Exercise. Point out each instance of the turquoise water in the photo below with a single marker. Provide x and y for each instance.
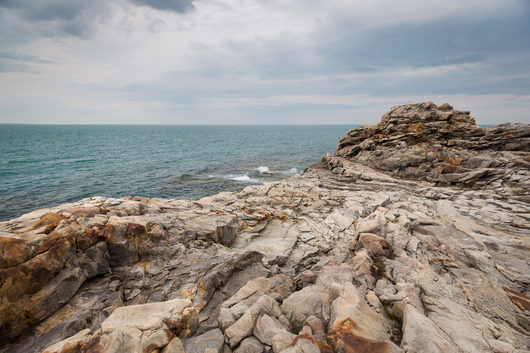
(46, 165)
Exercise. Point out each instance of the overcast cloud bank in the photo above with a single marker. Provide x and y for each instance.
(226, 61)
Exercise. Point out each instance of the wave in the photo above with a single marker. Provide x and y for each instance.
(292, 171)
(244, 178)
(263, 169)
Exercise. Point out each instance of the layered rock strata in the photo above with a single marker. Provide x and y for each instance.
(345, 258)
(442, 145)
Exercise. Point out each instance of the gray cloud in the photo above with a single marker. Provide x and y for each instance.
(15, 61)
(18, 56)
(39, 10)
(167, 5)
(27, 19)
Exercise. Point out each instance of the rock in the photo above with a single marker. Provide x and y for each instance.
(309, 301)
(213, 340)
(412, 237)
(119, 340)
(250, 345)
(174, 346)
(80, 212)
(305, 343)
(270, 332)
(344, 337)
(441, 145)
(276, 239)
(55, 294)
(278, 286)
(351, 315)
(72, 344)
(245, 324)
(367, 226)
(376, 245)
(140, 328)
(317, 327)
(421, 333)
(145, 316)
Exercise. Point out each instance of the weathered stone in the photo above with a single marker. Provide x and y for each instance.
(309, 301)
(420, 333)
(413, 233)
(245, 324)
(72, 344)
(174, 346)
(145, 316)
(432, 136)
(278, 286)
(119, 340)
(305, 343)
(317, 327)
(270, 332)
(250, 345)
(213, 340)
(375, 244)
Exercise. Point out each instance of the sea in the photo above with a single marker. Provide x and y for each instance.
(46, 165)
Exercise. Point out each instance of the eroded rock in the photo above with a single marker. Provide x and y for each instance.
(413, 237)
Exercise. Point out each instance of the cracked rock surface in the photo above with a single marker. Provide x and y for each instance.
(399, 242)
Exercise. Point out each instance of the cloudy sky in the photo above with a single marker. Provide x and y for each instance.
(260, 61)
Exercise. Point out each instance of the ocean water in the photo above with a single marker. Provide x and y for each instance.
(46, 165)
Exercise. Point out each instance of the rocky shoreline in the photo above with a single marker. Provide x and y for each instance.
(412, 237)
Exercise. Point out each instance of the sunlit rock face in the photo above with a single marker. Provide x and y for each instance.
(412, 237)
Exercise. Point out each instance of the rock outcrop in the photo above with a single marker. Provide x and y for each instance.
(413, 237)
(442, 145)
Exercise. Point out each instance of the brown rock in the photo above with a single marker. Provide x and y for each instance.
(411, 141)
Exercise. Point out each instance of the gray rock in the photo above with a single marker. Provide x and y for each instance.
(213, 340)
(309, 301)
(250, 345)
(245, 324)
(271, 332)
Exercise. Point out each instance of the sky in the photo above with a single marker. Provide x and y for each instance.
(261, 61)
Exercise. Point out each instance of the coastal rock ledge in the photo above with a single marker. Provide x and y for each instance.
(412, 237)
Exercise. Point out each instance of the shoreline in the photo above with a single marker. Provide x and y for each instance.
(44, 167)
(400, 241)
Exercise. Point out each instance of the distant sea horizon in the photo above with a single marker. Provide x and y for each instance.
(43, 165)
